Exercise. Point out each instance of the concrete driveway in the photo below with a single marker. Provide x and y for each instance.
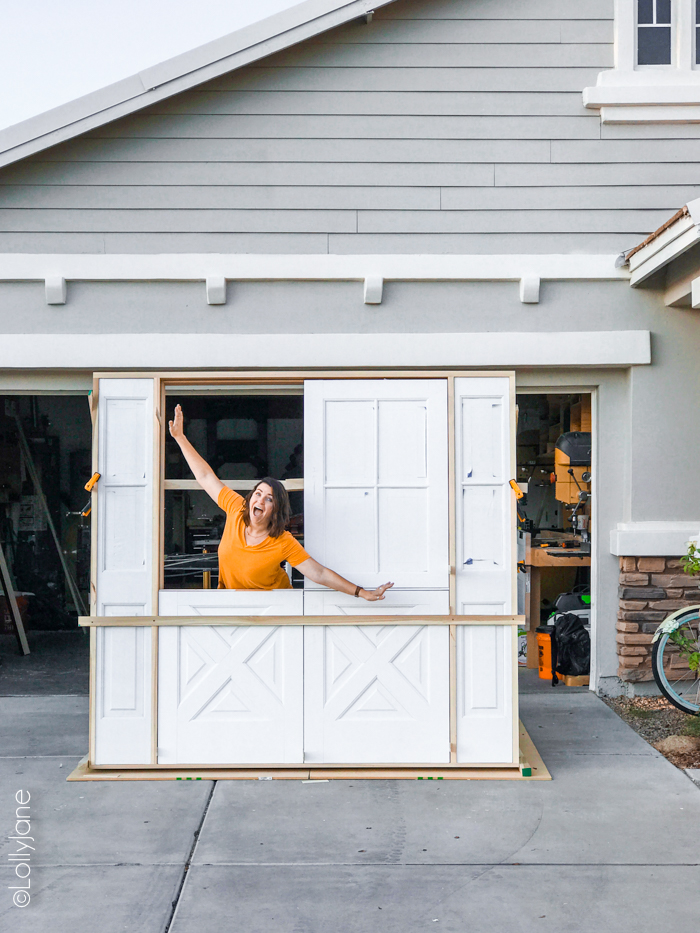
(612, 843)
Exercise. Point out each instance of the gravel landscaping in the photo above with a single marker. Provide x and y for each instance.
(655, 719)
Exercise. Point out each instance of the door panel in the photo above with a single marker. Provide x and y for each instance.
(231, 602)
(485, 512)
(124, 513)
(375, 486)
(230, 694)
(485, 659)
(396, 602)
(376, 693)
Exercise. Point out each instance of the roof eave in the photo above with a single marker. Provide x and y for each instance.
(185, 71)
(671, 240)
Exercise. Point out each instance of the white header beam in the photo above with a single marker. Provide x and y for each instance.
(284, 351)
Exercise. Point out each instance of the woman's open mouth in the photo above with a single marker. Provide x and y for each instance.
(257, 510)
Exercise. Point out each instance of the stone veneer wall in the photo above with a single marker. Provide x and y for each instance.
(650, 589)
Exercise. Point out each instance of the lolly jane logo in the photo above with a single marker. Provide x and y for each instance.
(22, 856)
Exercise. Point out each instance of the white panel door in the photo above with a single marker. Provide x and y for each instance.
(124, 517)
(230, 694)
(375, 483)
(485, 503)
(376, 694)
(485, 709)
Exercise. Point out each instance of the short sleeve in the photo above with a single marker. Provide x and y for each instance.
(229, 500)
(292, 550)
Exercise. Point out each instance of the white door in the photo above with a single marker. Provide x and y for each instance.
(376, 510)
(485, 525)
(375, 480)
(124, 516)
(485, 519)
(376, 694)
(230, 694)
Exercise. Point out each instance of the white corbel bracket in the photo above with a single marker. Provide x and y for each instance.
(530, 289)
(695, 294)
(55, 288)
(216, 290)
(374, 289)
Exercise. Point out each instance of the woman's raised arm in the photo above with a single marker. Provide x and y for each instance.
(203, 473)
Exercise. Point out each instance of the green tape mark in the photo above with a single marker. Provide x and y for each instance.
(178, 779)
(419, 779)
(430, 778)
(527, 772)
(198, 779)
(439, 779)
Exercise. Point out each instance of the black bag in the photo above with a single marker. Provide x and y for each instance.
(573, 645)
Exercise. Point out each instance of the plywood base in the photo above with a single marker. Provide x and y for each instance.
(530, 760)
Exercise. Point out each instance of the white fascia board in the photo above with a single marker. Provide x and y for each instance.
(652, 539)
(284, 351)
(176, 267)
(671, 244)
(273, 34)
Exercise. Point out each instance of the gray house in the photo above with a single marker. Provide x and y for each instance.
(416, 185)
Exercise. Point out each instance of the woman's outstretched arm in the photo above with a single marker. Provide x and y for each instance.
(327, 577)
(203, 473)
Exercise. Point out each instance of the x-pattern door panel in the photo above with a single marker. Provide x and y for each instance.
(376, 693)
(230, 694)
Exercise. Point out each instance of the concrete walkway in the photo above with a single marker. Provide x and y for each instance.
(612, 843)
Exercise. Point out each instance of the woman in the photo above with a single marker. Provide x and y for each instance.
(254, 542)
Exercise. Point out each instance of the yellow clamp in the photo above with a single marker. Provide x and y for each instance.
(513, 485)
(91, 482)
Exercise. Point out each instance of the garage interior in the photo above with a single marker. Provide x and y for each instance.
(553, 448)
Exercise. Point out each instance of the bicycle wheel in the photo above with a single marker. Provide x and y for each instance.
(675, 674)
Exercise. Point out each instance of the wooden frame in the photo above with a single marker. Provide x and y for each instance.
(162, 380)
(95, 622)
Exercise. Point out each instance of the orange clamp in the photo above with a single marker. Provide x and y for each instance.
(516, 489)
(91, 482)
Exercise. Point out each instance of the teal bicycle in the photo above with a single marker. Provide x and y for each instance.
(675, 659)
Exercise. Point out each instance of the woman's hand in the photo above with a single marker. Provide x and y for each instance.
(373, 595)
(176, 426)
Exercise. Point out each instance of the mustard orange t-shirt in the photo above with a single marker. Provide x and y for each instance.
(252, 567)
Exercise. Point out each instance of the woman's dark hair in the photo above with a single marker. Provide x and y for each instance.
(281, 510)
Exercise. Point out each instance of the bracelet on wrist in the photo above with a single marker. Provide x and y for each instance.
(357, 590)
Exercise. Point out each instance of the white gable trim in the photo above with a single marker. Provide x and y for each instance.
(285, 351)
(278, 32)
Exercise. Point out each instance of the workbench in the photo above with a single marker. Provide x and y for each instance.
(538, 559)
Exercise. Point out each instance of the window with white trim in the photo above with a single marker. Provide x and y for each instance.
(653, 32)
(656, 78)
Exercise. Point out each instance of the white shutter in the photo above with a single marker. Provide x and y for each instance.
(124, 570)
(485, 716)
(230, 694)
(485, 529)
(484, 500)
(375, 483)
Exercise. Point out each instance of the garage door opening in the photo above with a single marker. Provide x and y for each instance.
(45, 461)
(554, 438)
